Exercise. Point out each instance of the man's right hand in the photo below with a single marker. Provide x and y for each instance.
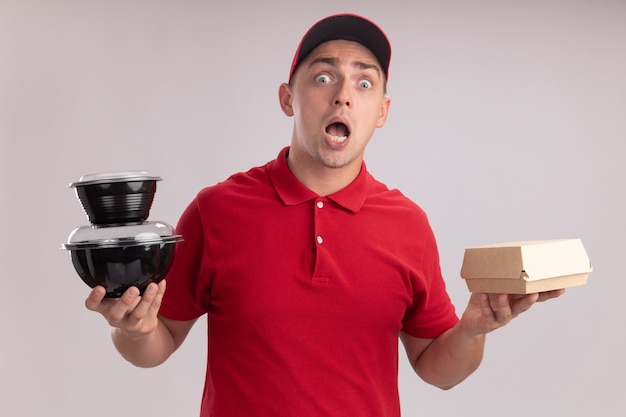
(134, 314)
(140, 334)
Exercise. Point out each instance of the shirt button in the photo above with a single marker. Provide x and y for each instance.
(320, 240)
(320, 204)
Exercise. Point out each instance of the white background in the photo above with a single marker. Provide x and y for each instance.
(508, 122)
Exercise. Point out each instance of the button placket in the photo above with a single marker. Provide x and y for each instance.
(320, 274)
(319, 204)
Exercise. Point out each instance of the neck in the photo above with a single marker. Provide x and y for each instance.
(319, 179)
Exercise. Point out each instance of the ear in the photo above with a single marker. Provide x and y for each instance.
(285, 99)
(384, 112)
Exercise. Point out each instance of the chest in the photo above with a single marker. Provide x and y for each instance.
(315, 265)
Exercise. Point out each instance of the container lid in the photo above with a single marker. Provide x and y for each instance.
(110, 177)
(529, 260)
(145, 233)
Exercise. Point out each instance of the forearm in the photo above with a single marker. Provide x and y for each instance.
(146, 350)
(450, 358)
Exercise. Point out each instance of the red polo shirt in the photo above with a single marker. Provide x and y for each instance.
(305, 294)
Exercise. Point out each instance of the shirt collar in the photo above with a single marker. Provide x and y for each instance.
(291, 191)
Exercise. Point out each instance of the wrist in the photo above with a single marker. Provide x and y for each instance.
(134, 336)
(469, 332)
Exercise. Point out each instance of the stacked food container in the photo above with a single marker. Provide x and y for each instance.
(120, 248)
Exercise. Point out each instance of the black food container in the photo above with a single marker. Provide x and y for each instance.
(118, 197)
(120, 248)
(118, 257)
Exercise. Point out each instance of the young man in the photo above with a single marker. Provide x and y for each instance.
(309, 270)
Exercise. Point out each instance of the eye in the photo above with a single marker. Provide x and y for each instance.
(367, 84)
(322, 79)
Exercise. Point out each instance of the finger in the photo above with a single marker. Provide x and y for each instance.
(501, 307)
(156, 304)
(93, 301)
(524, 303)
(485, 305)
(489, 306)
(545, 296)
(145, 305)
(123, 305)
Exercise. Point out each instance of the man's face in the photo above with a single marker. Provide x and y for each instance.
(337, 99)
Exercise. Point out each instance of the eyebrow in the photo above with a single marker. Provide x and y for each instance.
(334, 62)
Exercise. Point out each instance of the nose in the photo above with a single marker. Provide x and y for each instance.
(342, 97)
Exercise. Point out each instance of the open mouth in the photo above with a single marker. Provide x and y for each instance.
(337, 132)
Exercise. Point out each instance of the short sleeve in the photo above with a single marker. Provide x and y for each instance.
(188, 294)
(431, 313)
